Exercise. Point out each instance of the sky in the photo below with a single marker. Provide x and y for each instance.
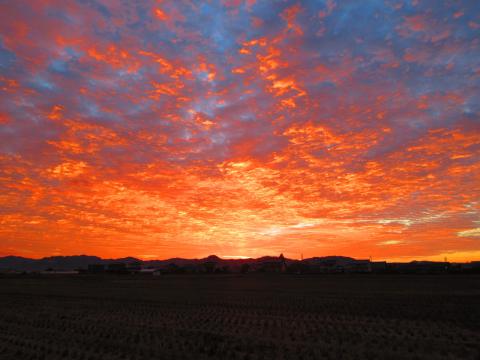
(162, 129)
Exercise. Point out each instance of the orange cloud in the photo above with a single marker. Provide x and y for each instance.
(173, 132)
(160, 14)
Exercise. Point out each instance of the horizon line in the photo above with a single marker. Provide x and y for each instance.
(239, 257)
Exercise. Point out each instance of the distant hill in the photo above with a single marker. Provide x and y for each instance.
(17, 263)
(82, 261)
(55, 262)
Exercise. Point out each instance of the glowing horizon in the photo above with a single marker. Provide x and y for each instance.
(184, 129)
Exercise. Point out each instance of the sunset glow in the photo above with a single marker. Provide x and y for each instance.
(161, 129)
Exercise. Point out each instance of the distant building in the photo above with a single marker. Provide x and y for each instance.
(147, 271)
(358, 266)
(338, 264)
(11, 272)
(157, 272)
(134, 266)
(59, 272)
(470, 267)
(418, 267)
(117, 268)
(378, 266)
(277, 265)
(96, 268)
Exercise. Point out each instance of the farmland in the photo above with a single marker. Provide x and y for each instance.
(253, 316)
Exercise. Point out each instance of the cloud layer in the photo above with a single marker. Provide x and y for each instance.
(241, 128)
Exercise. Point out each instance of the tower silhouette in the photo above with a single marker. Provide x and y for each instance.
(283, 263)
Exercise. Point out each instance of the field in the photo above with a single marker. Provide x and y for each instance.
(240, 317)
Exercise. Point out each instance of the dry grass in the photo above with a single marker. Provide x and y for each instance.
(240, 317)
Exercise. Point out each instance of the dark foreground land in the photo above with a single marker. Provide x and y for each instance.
(240, 317)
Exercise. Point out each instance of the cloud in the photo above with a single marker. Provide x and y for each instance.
(470, 233)
(68, 169)
(390, 242)
(178, 129)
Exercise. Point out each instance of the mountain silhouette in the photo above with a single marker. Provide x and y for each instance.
(77, 262)
(18, 263)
